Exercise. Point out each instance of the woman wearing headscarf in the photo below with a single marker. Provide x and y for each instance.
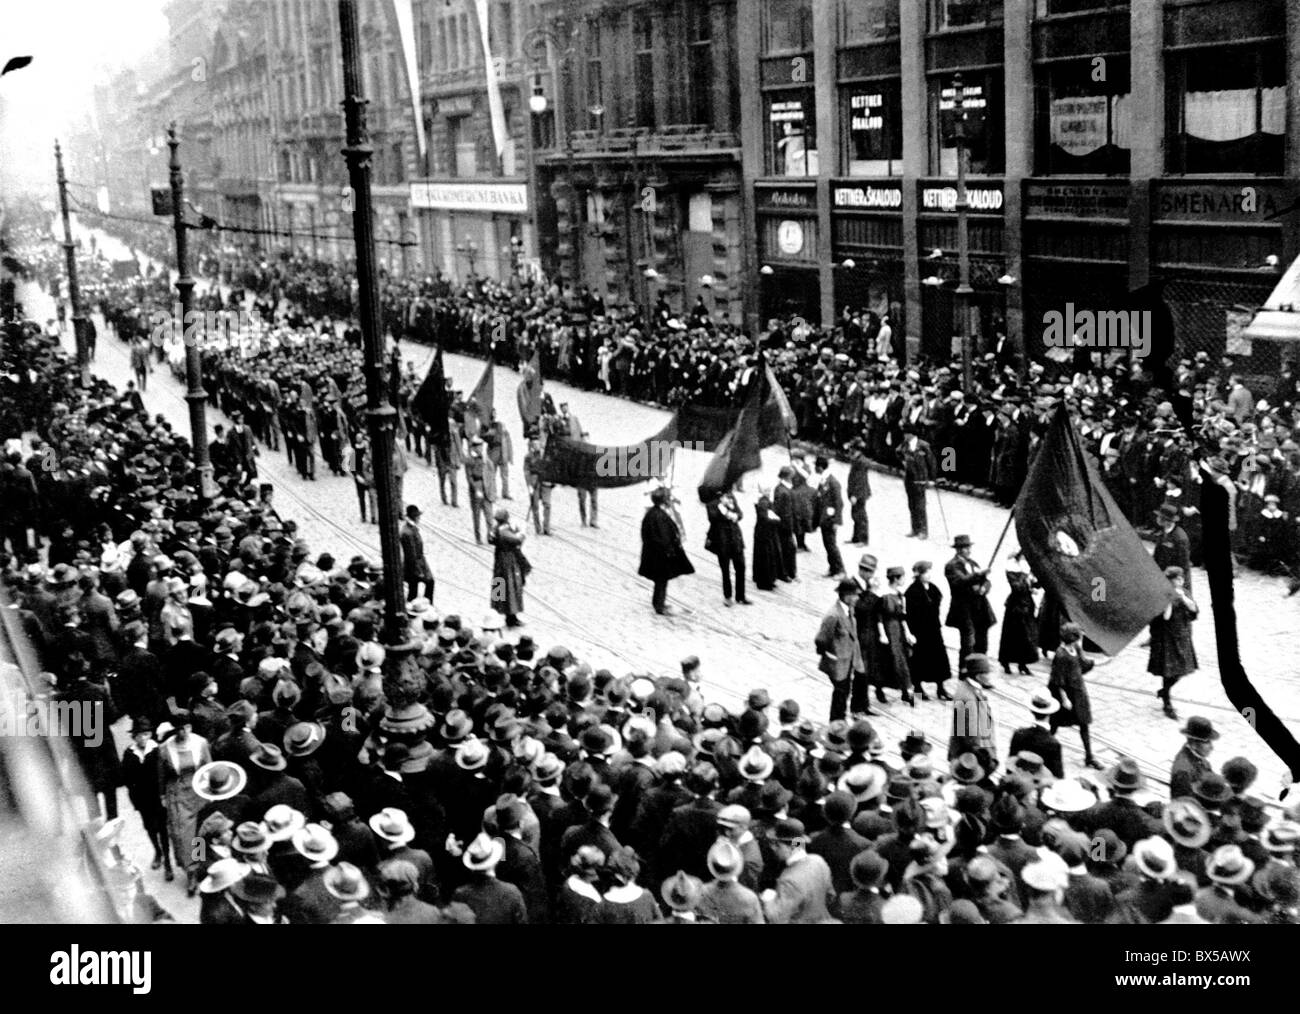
(768, 566)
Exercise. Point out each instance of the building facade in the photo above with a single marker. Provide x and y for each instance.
(1109, 145)
(637, 151)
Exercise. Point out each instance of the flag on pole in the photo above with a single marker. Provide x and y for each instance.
(480, 404)
(782, 402)
(406, 32)
(739, 451)
(1080, 546)
(431, 402)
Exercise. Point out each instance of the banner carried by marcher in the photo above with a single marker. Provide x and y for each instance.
(570, 462)
(740, 450)
(431, 402)
(1080, 546)
(705, 426)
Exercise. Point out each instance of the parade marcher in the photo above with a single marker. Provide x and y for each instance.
(1067, 685)
(895, 639)
(968, 605)
(783, 503)
(769, 561)
(479, 486)
(929, 659)
(726, 541)
(500, 453)
(447, 459)
(510, 568)
(357, 462)
(838, 647)
(1173, 655)
(864, 616)
(662, 554)
(1018, 645)
(182, 754)
(829, 511)
(539, 492)
(415, 566)
(569, 426)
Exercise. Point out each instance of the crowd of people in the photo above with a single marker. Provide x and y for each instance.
(290, 768)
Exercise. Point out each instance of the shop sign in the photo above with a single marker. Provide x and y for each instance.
(1221, 202)
(1077, 200)
(873, 197)
(510, 198)
(787, 199)
(980, 199)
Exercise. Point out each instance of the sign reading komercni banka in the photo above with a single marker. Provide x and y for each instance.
(507, 197)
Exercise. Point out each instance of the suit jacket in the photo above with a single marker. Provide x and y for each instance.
(1036, 739)
(1186, 769)
(725, 537)
(414, 565)
(858, 486)
(972, 721)
(838, 846)
(1217, 905)
(830, 501)
(803, 892)
(522, 867)
(967, 594)
(687, 836)
(838, 636)
(662, 555)
(99, 622)
(784, 508)
(730, 904)
(494, 903)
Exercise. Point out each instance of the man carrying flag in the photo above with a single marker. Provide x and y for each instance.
(529, 395)
(432, 404)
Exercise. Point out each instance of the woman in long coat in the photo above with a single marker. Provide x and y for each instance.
(1173, 655)
(767, 543)
(1019, 639)
(509, 568)
(894, 637)
(929, 662)
(1068, 686)
(183, 753)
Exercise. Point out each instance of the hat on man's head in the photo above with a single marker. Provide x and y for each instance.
(1200, 729)
(681, 892)
(1187, 823)
(1229, 866)
(962, 542)
(724, 860)
(1126, 776)
(1211, 790)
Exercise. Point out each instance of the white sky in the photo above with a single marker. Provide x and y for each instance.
(75, 44)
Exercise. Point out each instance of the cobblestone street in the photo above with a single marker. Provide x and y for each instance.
(584, 591)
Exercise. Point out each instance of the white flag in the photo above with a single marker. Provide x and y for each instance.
(493, 86)
(406, 30)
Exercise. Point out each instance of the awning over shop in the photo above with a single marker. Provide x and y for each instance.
(1279, 318)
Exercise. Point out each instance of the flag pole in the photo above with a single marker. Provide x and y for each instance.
(1011, 515)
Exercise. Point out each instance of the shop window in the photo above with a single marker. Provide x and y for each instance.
(1227, 110)
(964, 13)
(1081, 124)
(787, 26)
(873, 119)
(868, 20)
(792, 134)
(982, 116)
